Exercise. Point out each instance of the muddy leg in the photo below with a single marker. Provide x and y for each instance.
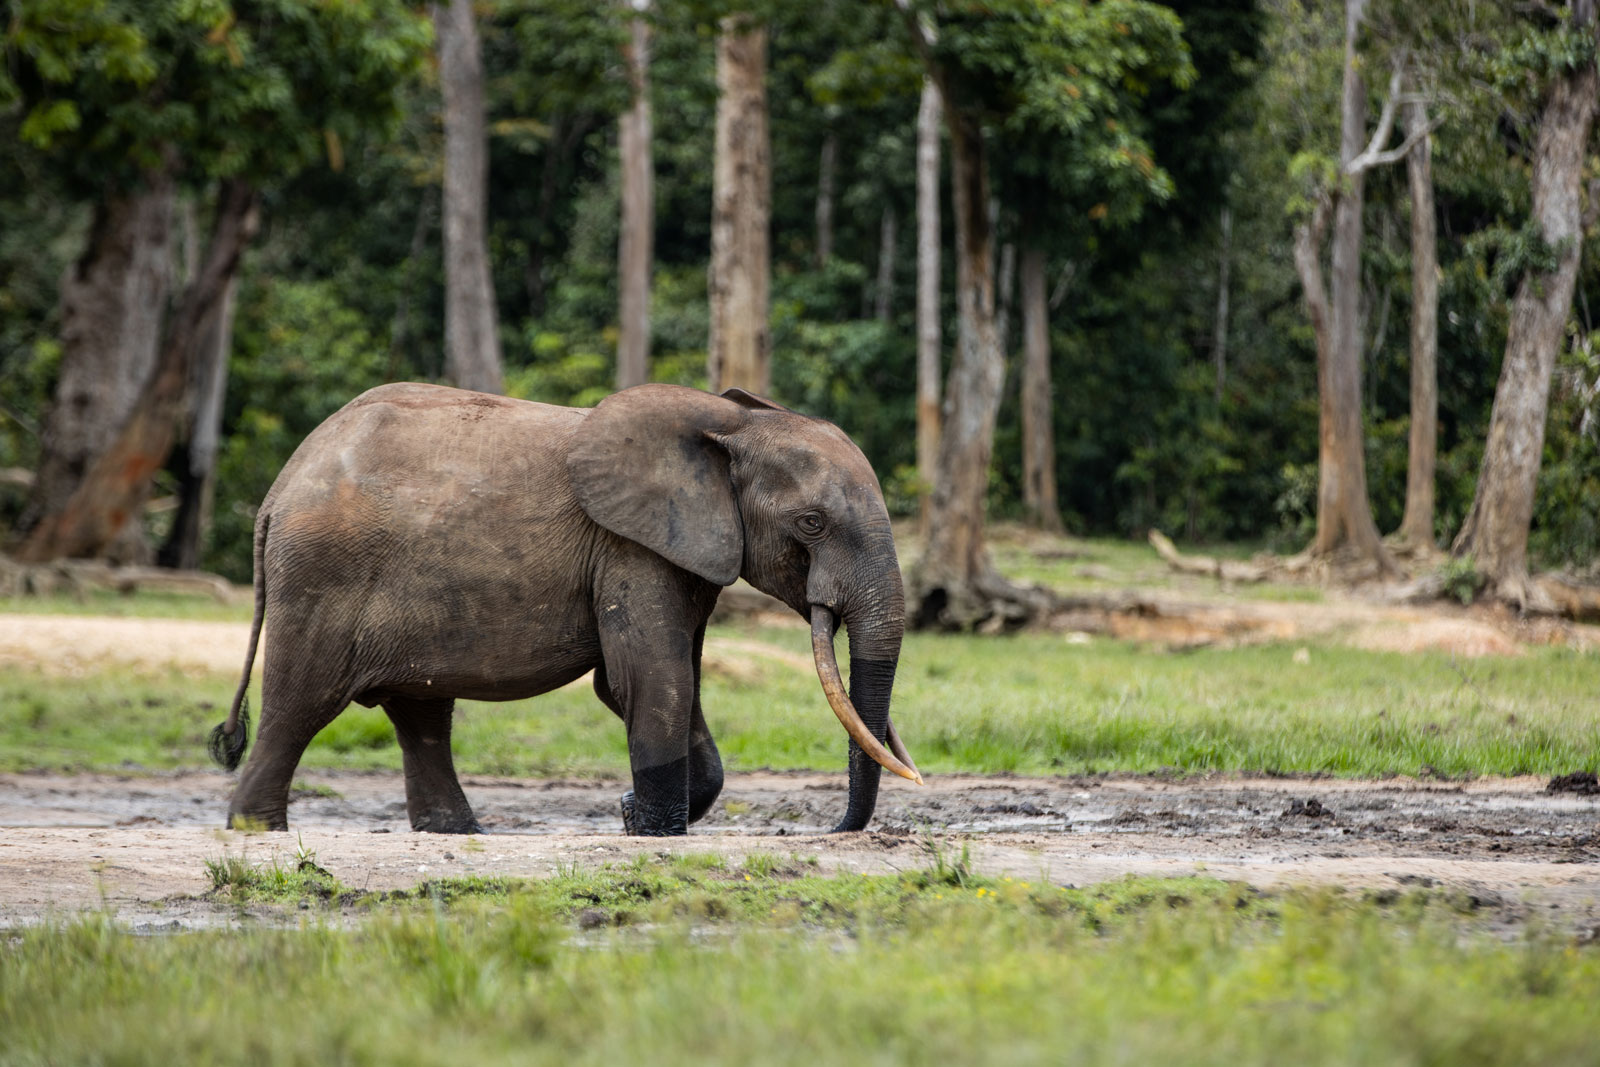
(434, 799)
(705, 763)
(287, 727)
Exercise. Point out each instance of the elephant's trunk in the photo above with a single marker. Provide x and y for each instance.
(874, 654)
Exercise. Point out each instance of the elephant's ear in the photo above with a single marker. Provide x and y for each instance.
(752, 401)
(648, 464)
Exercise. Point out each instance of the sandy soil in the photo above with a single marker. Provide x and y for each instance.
(137, 846)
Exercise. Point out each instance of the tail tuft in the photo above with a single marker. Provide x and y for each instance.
(228, 748)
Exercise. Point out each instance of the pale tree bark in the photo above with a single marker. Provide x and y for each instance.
(1038, 433)
(1219, 338)
(636, 243)
(1495, 533)
(1416, 528)
(1344, 514)
(888, 237)
(114, 488)
(200, 439)
(472, 339)
(827, 170)
(929, 118)
(113, 301)
(739, 346)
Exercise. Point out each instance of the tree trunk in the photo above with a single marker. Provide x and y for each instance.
(1219, 338)
(1416, 528)
(954, 572)
(888, 237)
(200, 439)
(928, 326)
(114, 487)
(1005, 290)
(827, 168)
(1038, 435)
(1495, 533)
(739, 346)
(472, 340)
(635, 245)
(113, 300)
(1344, 515)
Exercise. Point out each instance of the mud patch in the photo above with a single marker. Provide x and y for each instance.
(138, 846)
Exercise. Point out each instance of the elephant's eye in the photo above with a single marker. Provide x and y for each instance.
(811, 523)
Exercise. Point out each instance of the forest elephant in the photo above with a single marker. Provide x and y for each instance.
(426, 544)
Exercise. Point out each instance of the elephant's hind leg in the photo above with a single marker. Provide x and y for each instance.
(434, 800)
(287, 726)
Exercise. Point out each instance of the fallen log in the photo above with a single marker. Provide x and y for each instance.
(80, 576)
(1226, 570)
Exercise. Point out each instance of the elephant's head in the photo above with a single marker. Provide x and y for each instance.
(734, 485)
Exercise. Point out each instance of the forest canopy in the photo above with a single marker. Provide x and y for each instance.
(1156, 161)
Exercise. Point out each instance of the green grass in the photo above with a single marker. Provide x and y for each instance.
(697, 962)
(134, 605)
(1033, 703)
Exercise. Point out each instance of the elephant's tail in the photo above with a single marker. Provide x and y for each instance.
(229, 738)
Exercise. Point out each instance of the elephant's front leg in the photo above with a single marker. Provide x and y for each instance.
(651, 682)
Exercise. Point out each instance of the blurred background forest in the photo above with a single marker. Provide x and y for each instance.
(1149, 167)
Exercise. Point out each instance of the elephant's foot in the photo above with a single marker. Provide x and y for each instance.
(256, 823)
(635, 821)
(446, 821)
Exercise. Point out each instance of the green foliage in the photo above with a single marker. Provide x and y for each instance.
(258, 88)
(1461, 578)
(812, 970)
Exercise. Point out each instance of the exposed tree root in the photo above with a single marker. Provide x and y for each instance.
(80, 576)
(1225, 569)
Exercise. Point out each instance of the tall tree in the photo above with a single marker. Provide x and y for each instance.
(739, 347)
(1344, 513)
(827, 174)
(636, 238)
(1416, 527)
(1039, 70)
(472, 335)
(200, 437)
(113, 301)
(1495, 533)
(929, 117)
(1038, 436)
(230, 97)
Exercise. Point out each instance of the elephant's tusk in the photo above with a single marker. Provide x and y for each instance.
(898, 747)
(839, 700)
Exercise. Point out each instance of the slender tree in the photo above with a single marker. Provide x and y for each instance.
(472, 336)
(1345, 526)
(1038, 435)
(929, 118)
(636, 237)
(827, 172)
(1416, 527)
(739, 346)
(1043, 54)
(1495, 533)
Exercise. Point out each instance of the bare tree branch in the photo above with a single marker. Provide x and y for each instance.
(1369, 159)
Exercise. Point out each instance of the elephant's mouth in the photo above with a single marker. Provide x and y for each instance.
(894, 758)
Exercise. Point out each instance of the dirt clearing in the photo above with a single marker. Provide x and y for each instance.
(137, 846)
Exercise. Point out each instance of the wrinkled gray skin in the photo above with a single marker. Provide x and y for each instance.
(427, 544)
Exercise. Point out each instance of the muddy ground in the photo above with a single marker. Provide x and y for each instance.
(138, 845)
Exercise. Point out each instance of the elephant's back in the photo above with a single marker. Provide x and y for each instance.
(416, 464)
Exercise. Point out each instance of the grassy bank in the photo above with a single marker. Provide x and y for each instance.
(690, 961)
(1032, 703)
